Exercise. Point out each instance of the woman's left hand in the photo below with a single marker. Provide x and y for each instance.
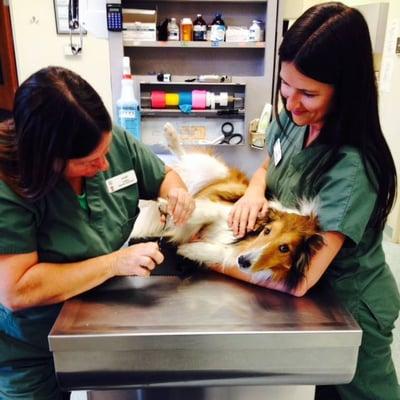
(180, 205)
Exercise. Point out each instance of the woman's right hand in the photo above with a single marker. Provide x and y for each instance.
(245, 212)
(139, 259)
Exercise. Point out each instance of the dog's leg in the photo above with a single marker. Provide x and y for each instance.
(148, 223)
(173, 140)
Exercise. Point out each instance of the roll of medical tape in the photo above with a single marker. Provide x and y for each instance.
(157, 99)
(171, 99)
(199, 99)
(185, 98)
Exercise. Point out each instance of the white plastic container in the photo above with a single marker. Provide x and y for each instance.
(173, 30)
(128, 110)
(256, 32)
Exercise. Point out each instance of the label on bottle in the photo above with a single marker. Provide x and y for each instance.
(173, 32)
(217, 33)
(199, 32)
(129, 119)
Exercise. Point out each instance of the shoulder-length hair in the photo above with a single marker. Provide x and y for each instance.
(330, 43)
(57, 116)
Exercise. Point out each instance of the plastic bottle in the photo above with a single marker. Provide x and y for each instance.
(199, 29)
(173, 30)
(186, 29)
(256, 32)
(218, 29)
(128, 110)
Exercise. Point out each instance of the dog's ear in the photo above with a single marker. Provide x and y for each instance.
(302, 258)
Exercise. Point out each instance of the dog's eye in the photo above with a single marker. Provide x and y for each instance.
(283, 248)
(267, 231)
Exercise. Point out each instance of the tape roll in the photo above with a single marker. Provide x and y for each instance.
(171, 99)
(185, 98)
(199, 99)
(157, 99)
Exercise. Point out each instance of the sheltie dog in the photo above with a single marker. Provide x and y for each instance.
(280, 247)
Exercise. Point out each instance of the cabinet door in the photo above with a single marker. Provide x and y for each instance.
(8, 73)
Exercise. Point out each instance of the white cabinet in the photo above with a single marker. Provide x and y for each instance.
(251, 64)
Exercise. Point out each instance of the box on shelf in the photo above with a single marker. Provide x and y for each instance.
(237, 34)
(139, 24)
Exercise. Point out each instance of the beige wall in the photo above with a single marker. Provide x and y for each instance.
(389, 109)
(37, 45)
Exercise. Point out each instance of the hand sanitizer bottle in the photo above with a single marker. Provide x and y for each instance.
(128, 110)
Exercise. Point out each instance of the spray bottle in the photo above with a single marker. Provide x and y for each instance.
(128, 110)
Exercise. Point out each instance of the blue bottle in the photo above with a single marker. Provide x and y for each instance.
(128, 109)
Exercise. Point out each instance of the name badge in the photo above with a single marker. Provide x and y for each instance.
(277, 152)
(121, 181)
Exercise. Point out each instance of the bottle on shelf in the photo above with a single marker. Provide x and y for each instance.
(186, 29)
(163, 30)
(128, 110)
(218, 29)
(173, 30)
(256, 31)
(199, 29)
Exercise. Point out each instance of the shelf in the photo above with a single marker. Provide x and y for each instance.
(180, 44)
(131, 3)
(194, 83)
(220, 113)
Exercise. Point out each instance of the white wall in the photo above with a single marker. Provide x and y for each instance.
(37, 45)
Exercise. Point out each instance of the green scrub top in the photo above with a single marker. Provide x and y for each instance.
(61, 232)
(346, 200)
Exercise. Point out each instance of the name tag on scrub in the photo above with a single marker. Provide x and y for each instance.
(277, 152)
(121, 181)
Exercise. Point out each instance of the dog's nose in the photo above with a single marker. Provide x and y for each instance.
(244, 262)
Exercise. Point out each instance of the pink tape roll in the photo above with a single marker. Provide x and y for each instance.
(199, 99)
(157, 99)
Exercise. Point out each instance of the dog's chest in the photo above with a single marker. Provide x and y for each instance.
(217, 232)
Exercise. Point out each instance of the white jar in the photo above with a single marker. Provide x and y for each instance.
(173, 30)
(256, 32)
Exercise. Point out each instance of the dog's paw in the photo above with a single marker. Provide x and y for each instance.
(162, 206)
(171, 136)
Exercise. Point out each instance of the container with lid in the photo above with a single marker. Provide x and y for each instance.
(256, 31)
(218, 28)
(186, 29)
(173, 30)
(199, 29)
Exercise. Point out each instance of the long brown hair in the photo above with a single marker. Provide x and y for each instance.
(57, 116)
(330, 43)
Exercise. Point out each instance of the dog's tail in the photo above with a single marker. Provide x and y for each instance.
(173, 142)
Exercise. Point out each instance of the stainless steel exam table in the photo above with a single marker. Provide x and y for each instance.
(202, 330)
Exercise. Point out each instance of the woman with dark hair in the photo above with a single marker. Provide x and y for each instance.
(69, 189)
(327, 144)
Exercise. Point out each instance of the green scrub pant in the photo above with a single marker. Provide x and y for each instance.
(375, 377)
(30, 382)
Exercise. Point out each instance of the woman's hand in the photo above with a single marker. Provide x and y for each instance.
(180, 205)
(245, 212)
(139, 259)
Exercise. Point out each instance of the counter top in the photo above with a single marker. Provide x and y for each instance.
(205, 329)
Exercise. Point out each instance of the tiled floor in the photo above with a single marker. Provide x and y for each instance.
(392, 252)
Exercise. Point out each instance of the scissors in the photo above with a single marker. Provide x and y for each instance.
(229, 137)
